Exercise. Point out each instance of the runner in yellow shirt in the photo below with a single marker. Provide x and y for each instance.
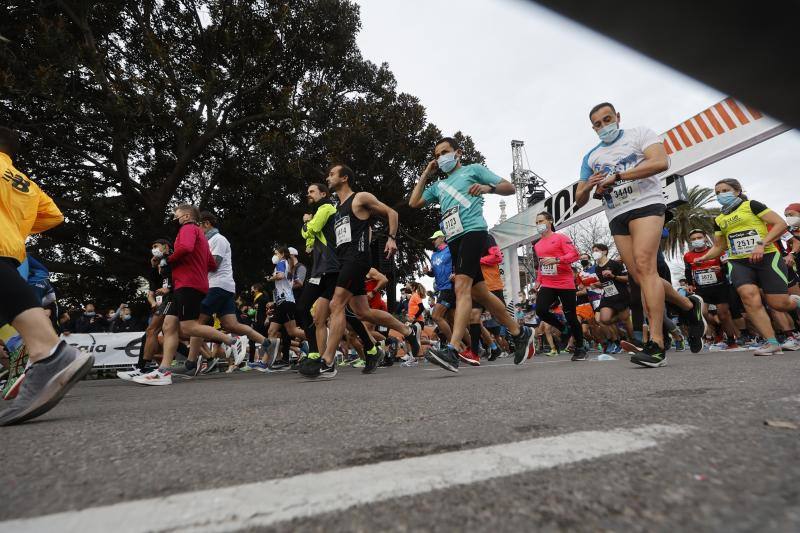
(55, 366)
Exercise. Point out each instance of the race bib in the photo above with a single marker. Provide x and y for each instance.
(743, 242)
(623, 194)
(705, 277)
(165, 283)
(609, 289)
(159, 299)
(550, 270)
(451, 223)
(342, 230)
(315, 281)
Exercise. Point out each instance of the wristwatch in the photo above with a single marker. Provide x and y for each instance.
(492, 188)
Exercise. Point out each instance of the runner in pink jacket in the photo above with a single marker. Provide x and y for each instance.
(557, 281)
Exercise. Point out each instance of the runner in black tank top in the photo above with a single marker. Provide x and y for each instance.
(352, 238)
(352, 250)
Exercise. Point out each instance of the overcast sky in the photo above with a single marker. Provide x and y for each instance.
(507, 69)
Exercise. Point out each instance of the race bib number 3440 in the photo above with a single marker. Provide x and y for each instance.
(623, 194)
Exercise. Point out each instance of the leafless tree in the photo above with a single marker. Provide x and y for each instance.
(589, 231)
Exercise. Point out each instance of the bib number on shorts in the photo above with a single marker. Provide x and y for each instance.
(549, 270)
(743, 242)
(705, 277)
(609, 289)
(342, 230)
(623, 194)
(451, 223)
(315, 281)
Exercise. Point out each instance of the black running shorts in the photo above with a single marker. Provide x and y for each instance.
(16, 296)
(769, 274)
(284, 312)
(446, 298)
(186, 304)
(619, 224)
(717, 294)
(353, 275)
(466, 251)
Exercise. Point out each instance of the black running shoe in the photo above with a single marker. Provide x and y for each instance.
(494, 354)
(445, 357)
(411, 338)
(310, 368)
(524, 345)
(372, 362)
(327, 371)
(579, 355)
(694, 321)
(281, 365)
(652, 356)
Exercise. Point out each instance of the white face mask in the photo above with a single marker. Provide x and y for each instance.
(157, 253)
(541, 228)
(597, 255)
(793, 221)
(447, 162)
(275, 259)
(698, 244)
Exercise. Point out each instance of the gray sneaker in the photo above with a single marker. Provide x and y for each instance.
(46, 383)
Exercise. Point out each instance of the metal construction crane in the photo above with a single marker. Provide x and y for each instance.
(530, 186)
(530, 190)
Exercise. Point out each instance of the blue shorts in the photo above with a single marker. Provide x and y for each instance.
(219, 302)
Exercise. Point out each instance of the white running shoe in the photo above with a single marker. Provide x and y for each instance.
(240, 350)
(790, 345)
(156, 377)
(769, 349)
(130, 374)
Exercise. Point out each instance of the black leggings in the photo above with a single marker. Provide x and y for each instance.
(16, 296)
(547, 297)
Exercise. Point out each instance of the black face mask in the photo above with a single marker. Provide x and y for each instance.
(585, 262)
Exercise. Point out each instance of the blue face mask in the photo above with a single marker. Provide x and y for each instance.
(447, 162)
(726, 198)
(608, 134)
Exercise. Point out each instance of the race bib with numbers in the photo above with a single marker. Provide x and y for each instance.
(159, 299)
(451, 222)
(550, 270)
(342, 230)
(743, 242)
(609, 289)
(705, 277)
(315, 281)
(623, 194)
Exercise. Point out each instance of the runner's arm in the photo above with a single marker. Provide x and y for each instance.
(569, 254)
(719, 248)
(382, 280)
(48, 215)
(320, 218)
(380, 209)
(655, 161)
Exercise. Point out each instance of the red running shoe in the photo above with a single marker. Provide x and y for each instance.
(470, 357)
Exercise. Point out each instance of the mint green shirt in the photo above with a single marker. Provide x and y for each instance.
(452, 194)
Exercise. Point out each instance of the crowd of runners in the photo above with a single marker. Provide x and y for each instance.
(740, 289)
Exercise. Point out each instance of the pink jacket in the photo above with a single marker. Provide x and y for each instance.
(558, 276)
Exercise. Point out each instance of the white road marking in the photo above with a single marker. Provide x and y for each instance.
(269, 502)
(494, 365)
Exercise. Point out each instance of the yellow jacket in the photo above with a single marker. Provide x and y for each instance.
(24, 209)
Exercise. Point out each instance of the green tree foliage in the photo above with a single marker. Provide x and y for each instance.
(130, 107)
(692, 215)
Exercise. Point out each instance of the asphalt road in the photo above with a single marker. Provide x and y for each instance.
(111, 441)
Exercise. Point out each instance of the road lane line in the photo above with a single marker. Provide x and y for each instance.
(269, 502)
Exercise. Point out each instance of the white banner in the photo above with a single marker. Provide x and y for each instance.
(108, 349)
(713, 134)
